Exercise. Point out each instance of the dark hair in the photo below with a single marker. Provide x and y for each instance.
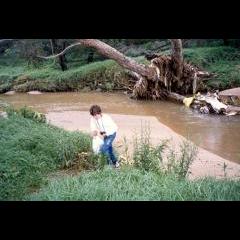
(95, 109)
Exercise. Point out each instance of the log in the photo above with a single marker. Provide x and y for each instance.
(175, 97)
(207, 104)
(232, 110)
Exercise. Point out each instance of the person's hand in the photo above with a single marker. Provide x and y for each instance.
(104, 135)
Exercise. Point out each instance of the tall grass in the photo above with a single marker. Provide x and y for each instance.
(148, 157)
(131, 184)
(30, 149)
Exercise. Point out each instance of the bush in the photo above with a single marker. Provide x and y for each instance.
(146, 156)
(180, 164)
(27, 113)
(150, 158)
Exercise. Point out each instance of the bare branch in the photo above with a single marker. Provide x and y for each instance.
(4, 40)
(61, 53)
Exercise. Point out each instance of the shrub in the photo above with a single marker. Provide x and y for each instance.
(150, 158)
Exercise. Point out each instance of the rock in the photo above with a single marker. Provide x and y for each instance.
(204, 110)
(98, 90)
(86, 89)
(10, 93)
(34, 92)
(3, 114)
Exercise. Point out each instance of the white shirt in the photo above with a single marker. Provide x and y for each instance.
(104, 124)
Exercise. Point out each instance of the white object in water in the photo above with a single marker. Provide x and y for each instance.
(97, 142)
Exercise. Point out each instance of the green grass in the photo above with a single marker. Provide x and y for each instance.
(147, 179)
(48, 77)
(223, 61)
(136, 185)
(30, 150)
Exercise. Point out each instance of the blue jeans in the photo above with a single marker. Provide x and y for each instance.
(107, 148)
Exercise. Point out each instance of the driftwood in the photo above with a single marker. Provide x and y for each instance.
(206, 104)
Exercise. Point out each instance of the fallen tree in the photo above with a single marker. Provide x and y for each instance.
(166, 77)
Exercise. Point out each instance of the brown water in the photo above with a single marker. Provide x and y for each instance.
(218, 134)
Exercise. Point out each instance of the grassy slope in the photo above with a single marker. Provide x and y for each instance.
(30, 150)
(133, 184)
(224, 61)
(48, 77)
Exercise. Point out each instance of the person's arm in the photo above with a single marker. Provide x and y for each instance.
(93, 127)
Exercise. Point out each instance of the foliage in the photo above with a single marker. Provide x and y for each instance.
(27, 113)
(146, 156)
(105, 75)
(131, 184)
(151, 158)
(30, 150)
(223, 61)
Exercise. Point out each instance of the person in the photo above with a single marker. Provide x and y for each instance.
(103, 125)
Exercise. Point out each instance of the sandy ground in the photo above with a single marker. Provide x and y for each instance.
(206, 163)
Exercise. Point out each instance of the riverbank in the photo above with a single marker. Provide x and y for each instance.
(107, 75)
(207, 164)
(32, 152)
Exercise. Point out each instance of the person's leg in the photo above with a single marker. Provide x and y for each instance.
(104, 151)
(112, 155)
(108, 149)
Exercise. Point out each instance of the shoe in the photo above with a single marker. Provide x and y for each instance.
(117, 165)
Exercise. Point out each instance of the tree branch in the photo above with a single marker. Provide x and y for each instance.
(4, 40)
(61, 53)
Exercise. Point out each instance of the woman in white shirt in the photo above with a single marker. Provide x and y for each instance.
(103, 125)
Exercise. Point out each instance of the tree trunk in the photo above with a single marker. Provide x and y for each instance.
(164, 74)
(61, 58)
(52, 48)
(175, 97)
(120, 58)
(177, 57)
(90, 57)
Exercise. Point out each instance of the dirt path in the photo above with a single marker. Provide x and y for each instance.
(206, 163)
